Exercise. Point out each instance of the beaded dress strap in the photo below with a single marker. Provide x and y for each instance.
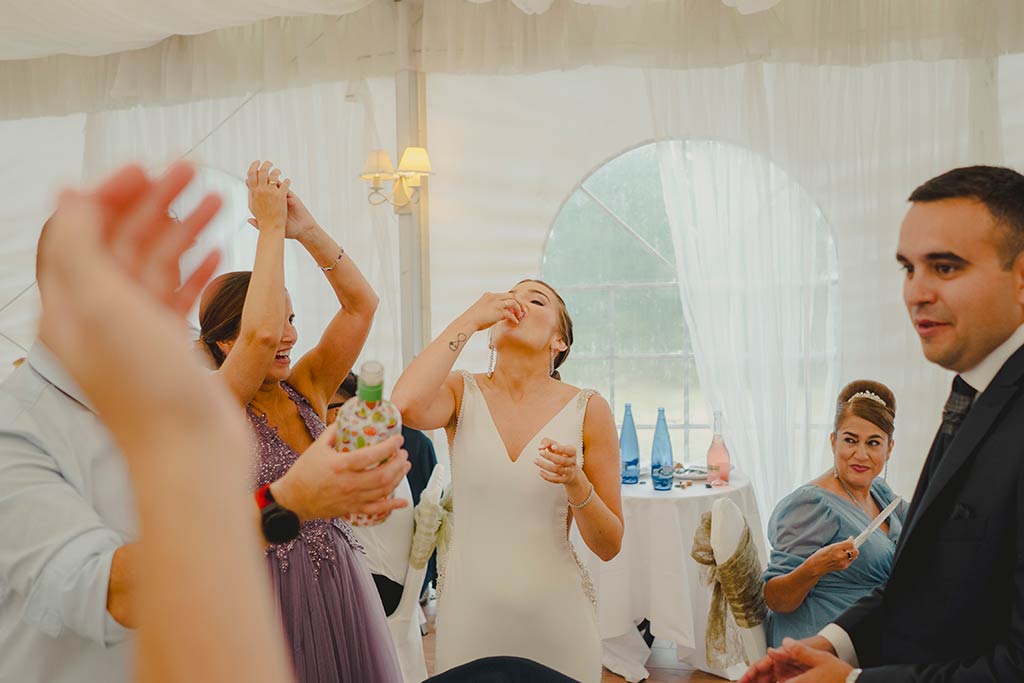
(581, 406)
(468, 380)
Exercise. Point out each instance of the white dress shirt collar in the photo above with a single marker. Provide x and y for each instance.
(982, 374)
(43, 361)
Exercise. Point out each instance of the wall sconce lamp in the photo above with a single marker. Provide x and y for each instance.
(407, 180)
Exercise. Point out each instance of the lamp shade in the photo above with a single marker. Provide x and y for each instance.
(414, 160)
(378, 166)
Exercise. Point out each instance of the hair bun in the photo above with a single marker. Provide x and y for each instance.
(865, 389)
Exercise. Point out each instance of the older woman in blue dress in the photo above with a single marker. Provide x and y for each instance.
(815, 571)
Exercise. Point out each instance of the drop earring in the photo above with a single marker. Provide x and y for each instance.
(493, 361)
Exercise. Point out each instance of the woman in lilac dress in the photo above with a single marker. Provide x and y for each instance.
(332, 616)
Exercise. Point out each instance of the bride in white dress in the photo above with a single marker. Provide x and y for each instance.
(529, 455)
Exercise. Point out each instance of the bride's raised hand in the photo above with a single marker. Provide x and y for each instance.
(557, 463)
(492, 308)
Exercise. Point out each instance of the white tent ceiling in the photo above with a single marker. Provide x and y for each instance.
(90, 28)
(68, 56)
(98, 27)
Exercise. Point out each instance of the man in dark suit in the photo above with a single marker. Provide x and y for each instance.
(953, 609)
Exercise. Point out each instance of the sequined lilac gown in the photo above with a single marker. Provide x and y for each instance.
(332, 615)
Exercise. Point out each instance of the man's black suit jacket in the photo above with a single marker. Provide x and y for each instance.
(953, 608)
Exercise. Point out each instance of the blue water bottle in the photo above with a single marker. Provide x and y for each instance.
(662, 467)
(629, 449)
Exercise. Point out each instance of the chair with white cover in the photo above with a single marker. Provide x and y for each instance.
(727, 530)
(408, 616)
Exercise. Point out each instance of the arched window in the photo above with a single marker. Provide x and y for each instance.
(610, 254)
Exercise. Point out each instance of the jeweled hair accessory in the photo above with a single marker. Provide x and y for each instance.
(870, 396)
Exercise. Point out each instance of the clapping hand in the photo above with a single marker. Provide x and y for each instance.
(267, 195)
(300, 221)
(798, 661)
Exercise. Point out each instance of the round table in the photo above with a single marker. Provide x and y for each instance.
(653, 577)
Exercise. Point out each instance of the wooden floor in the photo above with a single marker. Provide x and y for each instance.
(663, 665)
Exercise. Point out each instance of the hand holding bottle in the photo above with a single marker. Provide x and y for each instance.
(367, 419)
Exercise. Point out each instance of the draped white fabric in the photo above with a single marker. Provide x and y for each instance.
(350, 40)
(857, 140)
(265, 56)
(510, 150)
(319, 135)
(756, 265)
(97, 27)
(459, 37)
(40, 156)
(857, 101)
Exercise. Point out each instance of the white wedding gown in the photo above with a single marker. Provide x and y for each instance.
(511, 583)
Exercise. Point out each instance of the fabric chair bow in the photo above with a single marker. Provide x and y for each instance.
(737, 587)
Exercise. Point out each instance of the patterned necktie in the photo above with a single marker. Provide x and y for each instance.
(959, 402)
(957, 405)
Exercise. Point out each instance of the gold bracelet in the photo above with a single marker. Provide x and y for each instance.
(332, 266)
(580, 506)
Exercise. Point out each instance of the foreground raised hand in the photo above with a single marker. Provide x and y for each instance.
(112, 316)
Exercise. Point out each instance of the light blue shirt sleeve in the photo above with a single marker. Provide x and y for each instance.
(54, 548)
(801, 524)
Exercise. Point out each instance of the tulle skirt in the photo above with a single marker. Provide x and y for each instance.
(334, 621)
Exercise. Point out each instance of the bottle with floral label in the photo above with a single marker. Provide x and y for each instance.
(367, 418)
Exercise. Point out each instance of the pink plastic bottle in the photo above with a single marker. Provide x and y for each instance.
(718, 456)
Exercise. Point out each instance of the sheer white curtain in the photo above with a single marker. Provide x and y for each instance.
(41, 155)
(319, 136)
(857, 140)
(756, 265)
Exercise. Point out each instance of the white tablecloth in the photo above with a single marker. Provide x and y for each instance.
(653, 576)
